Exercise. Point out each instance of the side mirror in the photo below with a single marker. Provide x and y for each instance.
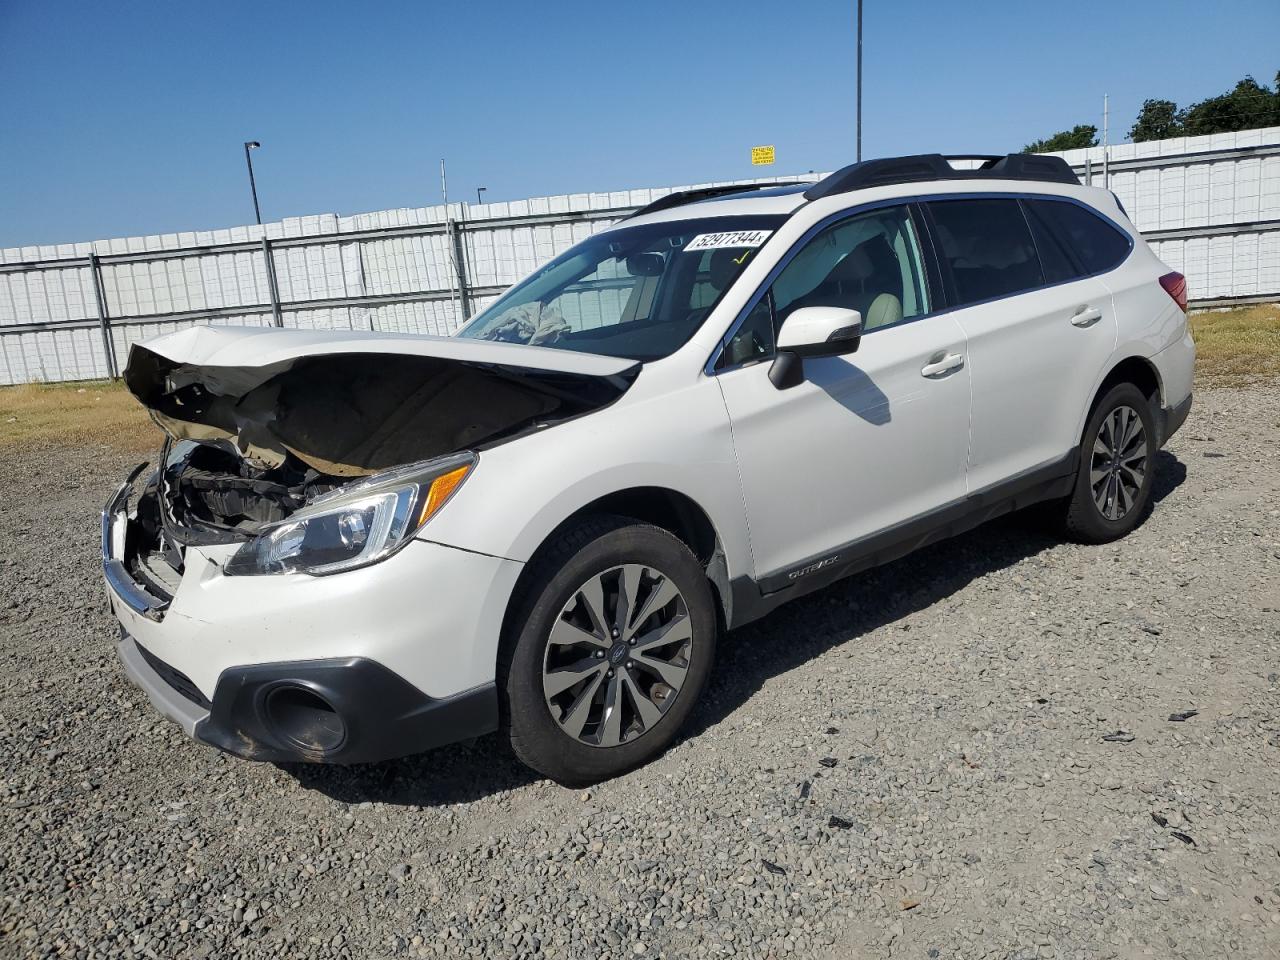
(813, 332)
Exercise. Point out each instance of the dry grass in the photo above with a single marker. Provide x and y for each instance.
(1234, 347)
(92, 413)
(1237, 346)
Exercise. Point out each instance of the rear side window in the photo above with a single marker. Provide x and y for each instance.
(1094, 244)
(987, 246)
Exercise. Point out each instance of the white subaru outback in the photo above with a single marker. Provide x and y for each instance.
(359, 546)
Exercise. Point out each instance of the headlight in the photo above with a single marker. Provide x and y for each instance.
(357, 525)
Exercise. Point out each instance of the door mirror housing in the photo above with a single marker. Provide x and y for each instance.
(813, 332)
(821, 332)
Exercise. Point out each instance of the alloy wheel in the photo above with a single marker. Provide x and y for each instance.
(617, 655)
(1119, 462)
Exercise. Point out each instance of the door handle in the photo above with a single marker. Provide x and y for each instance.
(941, 364)
(1086, 316)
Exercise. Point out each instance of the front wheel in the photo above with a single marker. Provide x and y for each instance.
(1113, 485)
(608, 651)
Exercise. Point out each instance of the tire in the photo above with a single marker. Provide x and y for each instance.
(1117, 461)
(652, 677)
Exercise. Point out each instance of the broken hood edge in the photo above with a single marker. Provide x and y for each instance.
(271, 392)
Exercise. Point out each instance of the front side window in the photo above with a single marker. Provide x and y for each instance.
(987, 246)
(638, 292)
(869, 262)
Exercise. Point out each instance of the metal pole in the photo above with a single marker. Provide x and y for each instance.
(269, 260)
(253, 187)
(480, 190)
(460, 265)
(859, 153)
(449, 239)
(1106, 148)
(108, 348)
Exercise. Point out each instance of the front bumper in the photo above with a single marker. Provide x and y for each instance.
(376, 715)
(400, 655)
(180, 707)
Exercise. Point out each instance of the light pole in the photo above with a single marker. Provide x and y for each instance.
(480, 190)
(859, 154)
(253, 187)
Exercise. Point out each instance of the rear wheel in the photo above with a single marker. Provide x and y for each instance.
(1113, 485)
(608, 652)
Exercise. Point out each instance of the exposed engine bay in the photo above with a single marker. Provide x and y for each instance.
(206, 492)
(210, 485)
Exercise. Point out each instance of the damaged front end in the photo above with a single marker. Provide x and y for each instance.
(285, 519)
(319, 452)
(209, 491)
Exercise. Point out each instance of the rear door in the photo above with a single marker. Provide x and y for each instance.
(1039, 330)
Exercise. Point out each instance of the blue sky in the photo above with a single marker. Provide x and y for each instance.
(125, 118)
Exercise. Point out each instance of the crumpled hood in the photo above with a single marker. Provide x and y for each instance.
(350, 403)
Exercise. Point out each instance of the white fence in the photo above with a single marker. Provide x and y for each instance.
(1209, 205)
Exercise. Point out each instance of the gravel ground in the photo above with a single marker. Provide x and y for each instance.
(970, 753)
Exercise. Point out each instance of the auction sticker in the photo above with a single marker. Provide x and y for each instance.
(734, 238)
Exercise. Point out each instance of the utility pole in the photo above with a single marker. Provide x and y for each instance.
(1106, 142)
(253, 187)
(859, 153)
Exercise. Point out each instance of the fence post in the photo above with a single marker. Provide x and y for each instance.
(269, 260)
(455, 229)
(108, 348)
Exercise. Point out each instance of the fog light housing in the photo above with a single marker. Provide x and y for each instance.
(303, 719)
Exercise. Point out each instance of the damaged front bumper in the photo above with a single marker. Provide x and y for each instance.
(356, 667)
(115, 530)
(350, 710)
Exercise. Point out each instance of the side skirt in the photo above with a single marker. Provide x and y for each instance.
(753, 598)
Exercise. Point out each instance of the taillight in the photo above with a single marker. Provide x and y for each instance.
(1175, 285)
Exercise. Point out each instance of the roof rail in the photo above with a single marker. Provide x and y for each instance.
(681, 197)
(934, 166)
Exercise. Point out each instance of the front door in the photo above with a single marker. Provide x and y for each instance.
(868, 440)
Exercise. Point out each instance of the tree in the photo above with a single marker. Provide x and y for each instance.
(1081, 135)
(1248, 106)
(1158, 120)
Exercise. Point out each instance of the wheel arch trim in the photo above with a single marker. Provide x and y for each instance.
(1134, 368)
(667, 508)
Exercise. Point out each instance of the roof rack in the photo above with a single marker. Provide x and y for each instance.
(681, 197)
(935, 166)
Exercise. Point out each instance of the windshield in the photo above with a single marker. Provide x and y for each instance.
(635, 292)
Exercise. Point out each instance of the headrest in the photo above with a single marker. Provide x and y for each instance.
(856, 265)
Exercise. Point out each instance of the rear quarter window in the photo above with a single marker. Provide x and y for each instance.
(1090, 241)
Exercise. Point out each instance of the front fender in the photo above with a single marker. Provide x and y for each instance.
(523, 490)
